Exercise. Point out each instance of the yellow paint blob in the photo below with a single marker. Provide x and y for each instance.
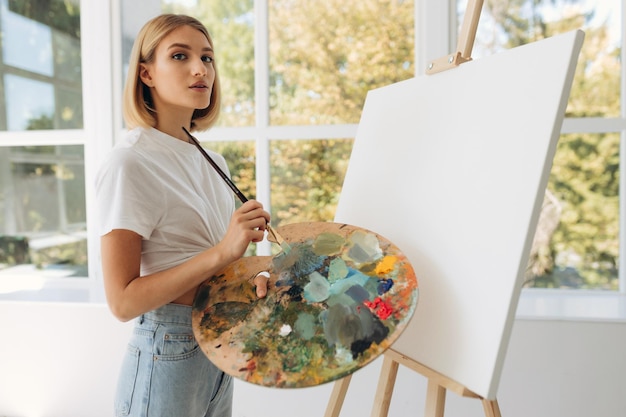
(386, 265)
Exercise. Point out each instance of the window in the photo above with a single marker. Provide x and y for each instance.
(295, 76)
(42, 170)
(577, 241)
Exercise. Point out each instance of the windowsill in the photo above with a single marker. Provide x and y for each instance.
(27, 283)
(574, 305)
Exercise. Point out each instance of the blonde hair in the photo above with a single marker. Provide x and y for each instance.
(137, 104)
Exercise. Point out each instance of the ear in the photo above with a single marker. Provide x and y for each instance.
(144, 75)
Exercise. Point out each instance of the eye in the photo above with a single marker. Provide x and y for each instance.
(207, 58)
(179, 56)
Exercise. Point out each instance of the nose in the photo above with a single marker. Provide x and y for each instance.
(199, 69)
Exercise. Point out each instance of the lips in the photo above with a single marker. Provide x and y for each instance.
(198, 85)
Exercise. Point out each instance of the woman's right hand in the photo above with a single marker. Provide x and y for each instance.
(247, 224)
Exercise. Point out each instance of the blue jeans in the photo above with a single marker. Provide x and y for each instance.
(164, 372)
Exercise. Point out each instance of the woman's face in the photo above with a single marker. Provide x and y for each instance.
(182, 74)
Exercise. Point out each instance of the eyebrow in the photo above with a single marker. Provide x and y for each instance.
(185, 46)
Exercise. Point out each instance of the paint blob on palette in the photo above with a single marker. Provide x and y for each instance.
(337, 299)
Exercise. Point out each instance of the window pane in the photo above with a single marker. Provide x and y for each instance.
(70, 109)
(506, 24)
(29, 103)
(307, 176)
(231, 25)
(576, 245)
(67, 64)
(241, 160)
(41, 67)
(325, 56)
(42, 208)
(24, 34)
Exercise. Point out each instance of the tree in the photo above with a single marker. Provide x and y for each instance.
(326, 56)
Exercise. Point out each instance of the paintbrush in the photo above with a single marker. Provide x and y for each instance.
(277, 237)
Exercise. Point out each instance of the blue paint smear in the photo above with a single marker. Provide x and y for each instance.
(354, 278)
(318, 288)
(358, 293)
(384, 285)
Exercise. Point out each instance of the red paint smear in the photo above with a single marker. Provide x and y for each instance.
(381, 308)
(250, 366)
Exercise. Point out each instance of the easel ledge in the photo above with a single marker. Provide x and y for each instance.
(435, 397)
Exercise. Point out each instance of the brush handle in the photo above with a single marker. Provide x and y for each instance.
(231, 184)
(237, 191)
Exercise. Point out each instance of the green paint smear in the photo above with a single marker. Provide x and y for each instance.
(328, 244)
(255, 345)
(288, 313)
(305, 326)
(224, 316)
(337, 269)
(202, 298)
(297, 355)
(317, 290)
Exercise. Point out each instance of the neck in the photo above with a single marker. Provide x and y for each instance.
(172, 123)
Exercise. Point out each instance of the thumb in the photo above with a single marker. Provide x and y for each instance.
(261, 281)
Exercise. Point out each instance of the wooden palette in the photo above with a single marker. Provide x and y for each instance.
(336, 300)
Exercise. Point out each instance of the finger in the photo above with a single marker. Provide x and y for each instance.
(250, 205)
(261, 282)
(255, 217)
(254, 208)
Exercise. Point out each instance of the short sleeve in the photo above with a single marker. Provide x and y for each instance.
(127, 194)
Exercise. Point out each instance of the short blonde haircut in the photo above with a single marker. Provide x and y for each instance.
(138, 107)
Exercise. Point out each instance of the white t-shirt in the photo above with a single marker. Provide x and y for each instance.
(163, 189)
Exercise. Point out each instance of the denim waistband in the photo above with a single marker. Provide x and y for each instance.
(169, 313)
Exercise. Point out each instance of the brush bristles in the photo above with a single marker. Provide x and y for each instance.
(279, 239)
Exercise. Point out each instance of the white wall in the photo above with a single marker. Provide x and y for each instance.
(61, 359)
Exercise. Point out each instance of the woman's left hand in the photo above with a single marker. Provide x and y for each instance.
(261, 282)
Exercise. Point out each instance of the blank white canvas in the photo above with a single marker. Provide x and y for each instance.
(452, 168)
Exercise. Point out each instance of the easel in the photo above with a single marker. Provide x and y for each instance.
(435, 394)
(438, 384)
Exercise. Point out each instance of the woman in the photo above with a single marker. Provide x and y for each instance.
(167, 223)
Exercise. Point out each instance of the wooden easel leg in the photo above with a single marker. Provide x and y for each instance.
(435, 399)
(387, 380)
(337, 396)
(491, 408)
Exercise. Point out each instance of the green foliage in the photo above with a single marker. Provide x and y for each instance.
(306, 179)
(42, 122)
(63, 15)
(241, 161)
(67, 255)
(325, 56)
(585, 179)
